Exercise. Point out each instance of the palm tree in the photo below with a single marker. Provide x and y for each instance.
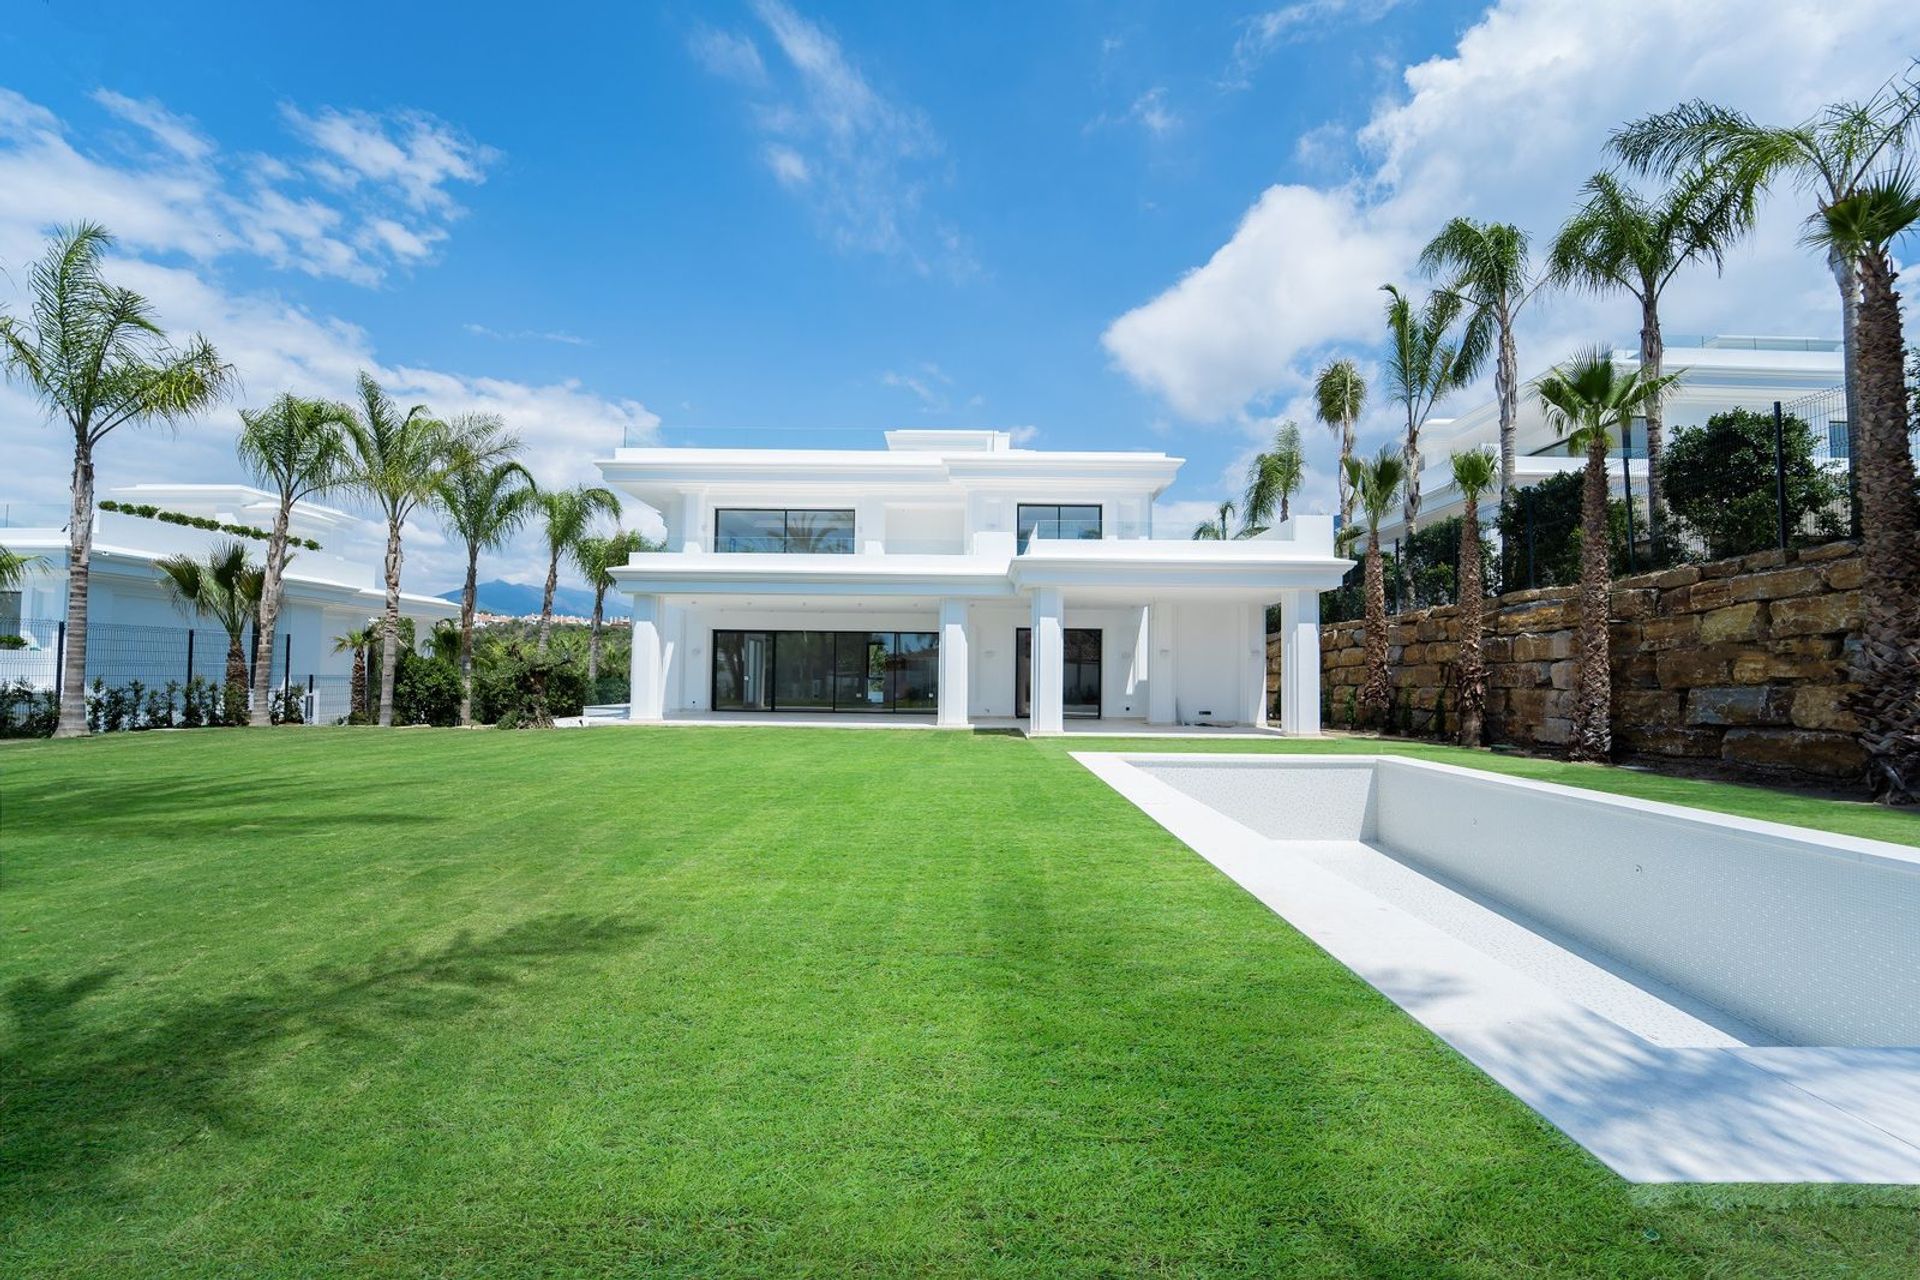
(357, 642)
(1835, 155)
(567, 516)
(1273, 477)
(14, 568)
(1488, 267)
(597, 559)
(1376, 484)
(1217, 529)
(297, 447)
(1586, 400)
(97, 359)
(1886, 666)
(1621, 240)
(1426, 361)
(1339, 393)
(225, 587)
(397, 460)
(1474, 473)
(485, 497)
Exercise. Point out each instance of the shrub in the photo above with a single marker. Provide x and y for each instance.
(288, 706)
(1552, 507)
(27, 712)
(507, 687)
(425, 691)
(1721, 485)
(9, 641)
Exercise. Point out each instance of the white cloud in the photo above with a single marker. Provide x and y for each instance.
(1265, 32)
(928, 383)
(1507, 126)
(172, 229)
(176, 133)
(560, 336)
(1150, 111)
(408, 152)
(862, 162)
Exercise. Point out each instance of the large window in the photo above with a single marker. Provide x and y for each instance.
(777, 530)
(1057, 520)
(1079, 674)
(825, 670)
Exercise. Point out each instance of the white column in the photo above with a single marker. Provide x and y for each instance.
(1300, 663)
(1046, 665)
(953, 665)
(1253, 684)
(1160, 703)
(648, 689)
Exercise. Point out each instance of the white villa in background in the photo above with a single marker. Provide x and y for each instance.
(954, 576)
(1716, 374)
(137, 631)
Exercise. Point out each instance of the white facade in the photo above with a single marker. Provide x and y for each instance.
(1716, 374)
(923, 556)
(138, 632)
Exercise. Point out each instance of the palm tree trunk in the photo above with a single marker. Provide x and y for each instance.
(271, 577)
(546, 600)
(357, 684)
(1886, 666)
(390, 625)
(234, 690)
(1653, 352)
(1375, 693)
(1410, 514)
(1284, 512)
(1507, 389)
(1847, 280)
(469, 596)
(1473, 666)
(1345, 483)
(1593, 694)
(73, 662)
(593, 638)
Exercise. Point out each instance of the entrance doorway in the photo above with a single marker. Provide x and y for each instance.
(1080, 678)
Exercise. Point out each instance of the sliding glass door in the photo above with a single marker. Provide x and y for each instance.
(1080, 674)
(875, 671)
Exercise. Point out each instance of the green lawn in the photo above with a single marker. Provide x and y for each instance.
(751, 1002)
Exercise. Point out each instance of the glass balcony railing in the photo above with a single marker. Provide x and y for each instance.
(33, 515)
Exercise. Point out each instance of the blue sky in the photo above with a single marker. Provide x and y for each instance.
(1107, 226)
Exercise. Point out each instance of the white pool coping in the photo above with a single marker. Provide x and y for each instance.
(1657, 1091)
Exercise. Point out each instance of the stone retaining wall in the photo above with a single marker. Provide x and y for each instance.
(1740, 661)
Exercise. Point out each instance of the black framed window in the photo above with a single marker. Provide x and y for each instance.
(880, 671)
(1058, 520)
(776, 529)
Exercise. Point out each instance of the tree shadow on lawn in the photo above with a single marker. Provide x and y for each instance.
(173, 806)
(77, 1097)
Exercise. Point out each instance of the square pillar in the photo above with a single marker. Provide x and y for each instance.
(1046, 664)
(1160, 703)
(1300, 663)
(1253, 664)
(953, 665)
(647, 696)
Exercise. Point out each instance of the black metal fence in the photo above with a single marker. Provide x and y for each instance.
(1747, 481)
(157, 666)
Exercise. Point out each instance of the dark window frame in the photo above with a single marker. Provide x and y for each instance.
(896, 670)
(1057, 520)
(787, 535)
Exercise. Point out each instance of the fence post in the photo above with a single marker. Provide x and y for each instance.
(1399, 578)
(1526, 505)
(60, 661)
(1780, 469)
(286, 666)
(189, 655)
(1626, 480)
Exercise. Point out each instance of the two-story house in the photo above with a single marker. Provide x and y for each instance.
(954, 576)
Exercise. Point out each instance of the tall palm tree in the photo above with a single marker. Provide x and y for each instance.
(97, 359)
(297, 447)
(1273, 477)
(1620, 240)
(1218, 529)
(397, 461)
(1474, 473)
(1834, 155)
(484, 497)
(357, 642)
(1427, 359)
(1487, 264)
(1586, 401)
(226, 587)
(1339, 393)
(1376, 484)
(597, 558)
(1886, 666)
(566, 516)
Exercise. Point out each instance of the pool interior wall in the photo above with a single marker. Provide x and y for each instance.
(1690, 996)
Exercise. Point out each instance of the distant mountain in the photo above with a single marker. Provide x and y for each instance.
(517, 599)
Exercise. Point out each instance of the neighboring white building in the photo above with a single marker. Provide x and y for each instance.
(956, 576)
(137, 633)
(1716, 374)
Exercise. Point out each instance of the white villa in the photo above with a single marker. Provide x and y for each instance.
(1716, 374)
(954, 576)
(137, 633)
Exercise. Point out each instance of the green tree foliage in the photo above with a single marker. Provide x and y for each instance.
(1720, 485)
(1553, 507)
